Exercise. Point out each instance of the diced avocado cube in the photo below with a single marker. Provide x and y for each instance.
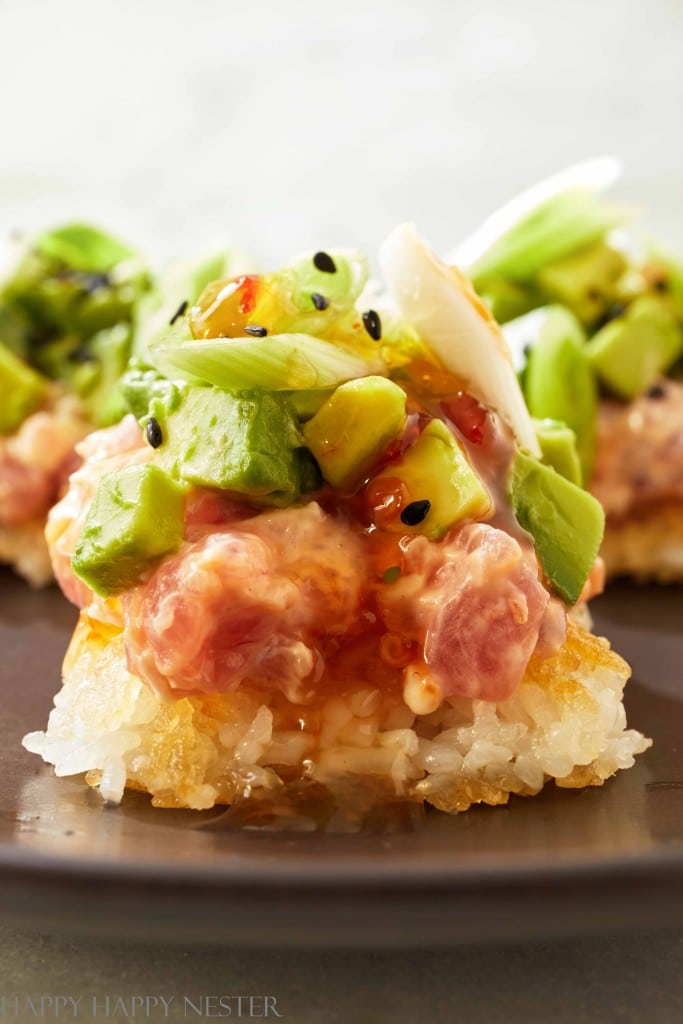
(141, 383)
(22, 390)
(354, 427)
(631, 352)
(567, 523)
(101, 396)
(245, 443)
(558, 447)
(507, 299)
(137, 515)
(558, 381)
(664, 274)
(585, 281)
(436, 469)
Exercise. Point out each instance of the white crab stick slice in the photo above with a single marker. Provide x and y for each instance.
(449, 317)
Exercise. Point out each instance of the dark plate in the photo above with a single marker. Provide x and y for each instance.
(564, 862)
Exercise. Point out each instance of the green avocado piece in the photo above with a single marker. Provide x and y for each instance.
(22, 390)
(141, 383)
(507, 299)
(97, 381)
(246, 443)
(566, 522)
(354, 427)
(83, 247)
(558, 381)
(631, 352)
(584, 281)
(137, 515)
(436, 469)
(667, 280)
(558, 447)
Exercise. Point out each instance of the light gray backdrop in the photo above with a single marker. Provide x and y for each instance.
(297, 124)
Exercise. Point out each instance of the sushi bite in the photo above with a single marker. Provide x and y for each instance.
(595, 320)
(68, 300)
(76, 306)
(329, 552)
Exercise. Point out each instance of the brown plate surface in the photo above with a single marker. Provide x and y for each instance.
(564, 862)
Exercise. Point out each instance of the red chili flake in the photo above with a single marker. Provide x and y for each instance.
(469, 416)
(248, 287)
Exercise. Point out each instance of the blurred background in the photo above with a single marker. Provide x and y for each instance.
(284, 126)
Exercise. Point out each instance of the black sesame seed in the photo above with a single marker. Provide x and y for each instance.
(255, 331)
(415, 512)
(86, 282)
(661, 284)
(82, 355)
(656, 391)
(93, 282)
(153, 432)
(372, 324)
(612, 312)
(615, 310)
(178, 313)
(319, 301)
(323, 261)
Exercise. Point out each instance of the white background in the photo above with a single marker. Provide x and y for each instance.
(290, 125)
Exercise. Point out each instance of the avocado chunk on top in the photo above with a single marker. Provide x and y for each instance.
(438, 478)
(136, 516)
(631, 352)
(567, 523)
(22, 390)
(245, 443)
(558, 448)
(506, 299)
(354, 427)
(558, 382)
(585, 281)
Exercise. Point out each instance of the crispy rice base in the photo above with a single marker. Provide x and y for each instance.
(647, 545)
(25, 549)
(565, 723)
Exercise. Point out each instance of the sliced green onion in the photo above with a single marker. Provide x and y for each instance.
(550, 220)
(301, 278)
(181, 283)
(280, 362)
